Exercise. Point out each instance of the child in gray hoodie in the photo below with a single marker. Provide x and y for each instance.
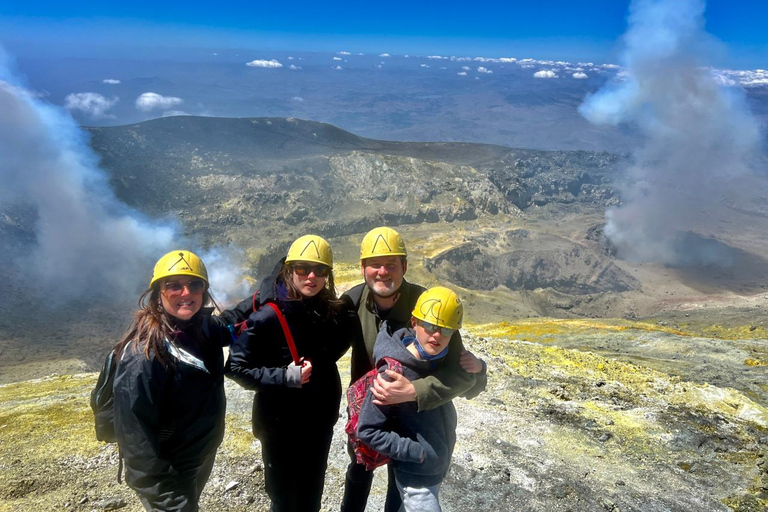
(419, 443)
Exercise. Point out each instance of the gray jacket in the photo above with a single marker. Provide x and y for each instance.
(401, 431)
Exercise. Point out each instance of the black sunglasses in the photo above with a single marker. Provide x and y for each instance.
(194, 286)
(305, 270)
(432, 328)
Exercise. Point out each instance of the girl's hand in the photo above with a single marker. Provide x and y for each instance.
(306, 371)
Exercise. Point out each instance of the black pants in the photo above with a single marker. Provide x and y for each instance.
(294, 467)
(357, 487)
(177, 491)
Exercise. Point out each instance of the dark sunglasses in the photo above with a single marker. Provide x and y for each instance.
(175, 288)
(305, 270)
(432, 328)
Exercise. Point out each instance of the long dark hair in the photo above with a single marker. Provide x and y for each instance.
(329, 303)
(151, 326)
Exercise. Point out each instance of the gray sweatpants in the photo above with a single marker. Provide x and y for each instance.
(419, 499)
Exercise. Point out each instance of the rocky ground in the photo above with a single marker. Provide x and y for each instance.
(560, 428)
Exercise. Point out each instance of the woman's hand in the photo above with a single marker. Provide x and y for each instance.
(470, 363)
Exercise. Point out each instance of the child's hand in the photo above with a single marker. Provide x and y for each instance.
(470, 363)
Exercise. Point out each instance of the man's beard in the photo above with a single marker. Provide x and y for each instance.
(389, 292)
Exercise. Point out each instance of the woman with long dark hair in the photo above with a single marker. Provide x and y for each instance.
(169, 398)
(296, 405)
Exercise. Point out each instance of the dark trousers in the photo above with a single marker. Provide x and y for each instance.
(294, 467)
(178, 491)
(357, 487)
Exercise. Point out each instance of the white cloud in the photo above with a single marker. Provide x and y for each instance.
(527, 66)
(343, 53)
(215, 54)
(434, 57)
(153, 101)
(111, 81)
(337, 58)
(580, 75)
(466, 68)
(294, 67)
(424, 65)
(481, 69)
(443, 67)
(297, 98)
(290, 58)
(264, 64)
(338, 68)
(171, 113)
(508, 60)
(745, 78)
(462, 73)
(93, 104)
(384, 55)
(545, 73)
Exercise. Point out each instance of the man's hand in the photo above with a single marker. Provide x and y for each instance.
(470, 363)
(392, 389)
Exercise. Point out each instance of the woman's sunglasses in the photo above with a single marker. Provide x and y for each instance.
(305, 270)
(173, 288)
(432, 328)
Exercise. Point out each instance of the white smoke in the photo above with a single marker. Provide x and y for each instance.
(86, 242)
(698, 135)
(225, 273)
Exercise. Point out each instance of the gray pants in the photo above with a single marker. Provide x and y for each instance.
(419, 499)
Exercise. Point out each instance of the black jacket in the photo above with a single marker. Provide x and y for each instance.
(168, 420)
(259, 359)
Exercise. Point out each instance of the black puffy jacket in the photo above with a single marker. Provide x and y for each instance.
(259, 359)
(169, 420)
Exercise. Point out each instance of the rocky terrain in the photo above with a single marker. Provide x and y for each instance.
(614, 385)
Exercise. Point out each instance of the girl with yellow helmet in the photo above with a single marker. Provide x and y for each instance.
(169, 399)
(296, 406)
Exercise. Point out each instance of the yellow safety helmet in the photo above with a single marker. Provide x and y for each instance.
(179, 263)
(382, 241)
(439, 306)
(310, 248)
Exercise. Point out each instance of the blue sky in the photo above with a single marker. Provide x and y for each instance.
(551, 29)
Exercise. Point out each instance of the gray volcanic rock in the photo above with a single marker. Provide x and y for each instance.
(537, 178)
(224, 177)
(529, 261)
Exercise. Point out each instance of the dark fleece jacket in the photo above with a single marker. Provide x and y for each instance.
(401, 431)
(260, 357)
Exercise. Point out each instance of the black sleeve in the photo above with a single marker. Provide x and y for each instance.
(239, 313)
(349, 330)
(249, 355)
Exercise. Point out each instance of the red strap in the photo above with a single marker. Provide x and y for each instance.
(286, 332)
